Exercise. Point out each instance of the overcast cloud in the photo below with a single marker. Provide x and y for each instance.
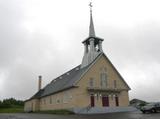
(43, 37)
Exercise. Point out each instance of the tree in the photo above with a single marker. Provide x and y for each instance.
(11, 102)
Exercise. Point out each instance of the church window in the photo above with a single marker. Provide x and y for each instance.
(44, 101)
(53, 100)
(91, 82)
(66, 97)
(40, 102)
(115, 84)
(57, 100)
(103, 77)
(50, 100)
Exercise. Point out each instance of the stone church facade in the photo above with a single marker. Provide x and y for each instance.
(95, 84)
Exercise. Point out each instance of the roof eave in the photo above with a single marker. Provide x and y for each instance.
(73, 86)
(118, 72)
(92, 37)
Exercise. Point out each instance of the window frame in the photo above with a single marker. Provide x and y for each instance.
(91, 82)
(104, 79)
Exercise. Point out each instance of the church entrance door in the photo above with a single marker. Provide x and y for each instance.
(105, 101)
(92, 100)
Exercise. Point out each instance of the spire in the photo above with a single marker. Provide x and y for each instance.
(91, 27)
(92, 44)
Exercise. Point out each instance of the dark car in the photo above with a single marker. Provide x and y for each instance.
(151, 107)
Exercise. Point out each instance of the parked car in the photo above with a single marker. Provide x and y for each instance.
(151, 107)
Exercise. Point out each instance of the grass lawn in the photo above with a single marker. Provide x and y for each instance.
(21, 110)
(12, 110)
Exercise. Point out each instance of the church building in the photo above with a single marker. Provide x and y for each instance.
(94, 86)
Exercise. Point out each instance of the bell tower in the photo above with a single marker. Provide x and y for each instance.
(92, 44)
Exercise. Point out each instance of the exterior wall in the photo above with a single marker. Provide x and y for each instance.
(80, 97)
(83, 97)
(31, 105)
(124, 98)
(27, 106)
(61, 100)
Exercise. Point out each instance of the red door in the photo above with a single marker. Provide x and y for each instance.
(92, 101)
(105, 101)
(117, 101)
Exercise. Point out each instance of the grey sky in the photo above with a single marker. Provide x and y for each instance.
(43, 37)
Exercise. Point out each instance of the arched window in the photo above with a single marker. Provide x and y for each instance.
(115, 84)
(91, 82)
(44, 101)
(103, 77)
(50, 100)
(67, 97)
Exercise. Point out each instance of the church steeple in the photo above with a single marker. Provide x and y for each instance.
(92, 45)
(91, 27)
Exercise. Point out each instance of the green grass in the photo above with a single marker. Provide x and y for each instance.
(61, 112)
(12, 110)
(18, 109)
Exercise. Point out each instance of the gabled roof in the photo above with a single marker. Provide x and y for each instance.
(103, 54)
(63, 82)
(69, 80)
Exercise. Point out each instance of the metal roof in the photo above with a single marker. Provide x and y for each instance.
(62, 82)
(68, 80)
